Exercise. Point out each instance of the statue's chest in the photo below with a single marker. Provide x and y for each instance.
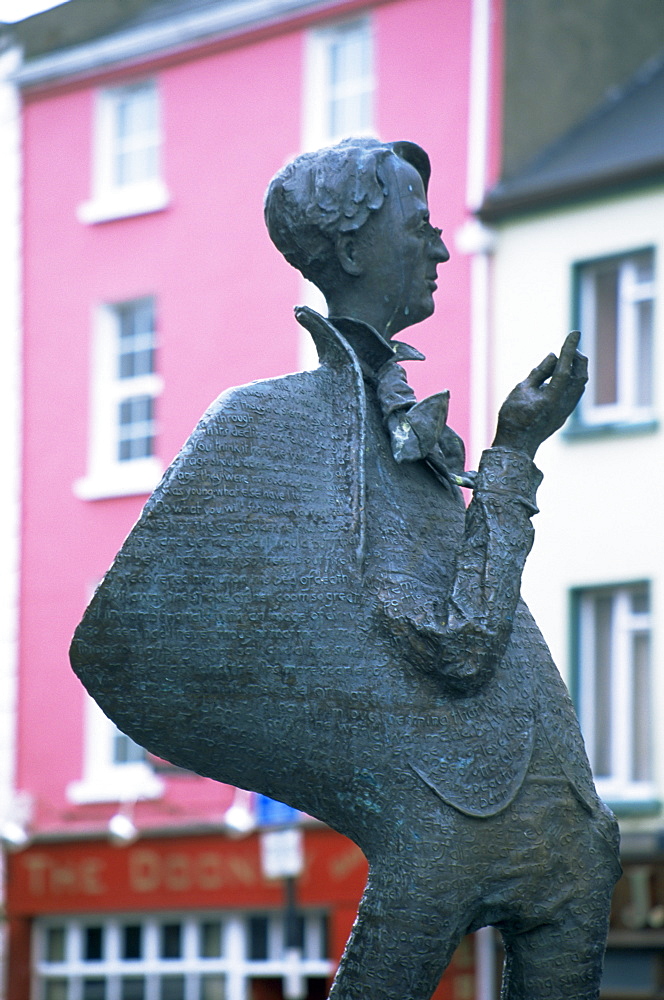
(414, 523)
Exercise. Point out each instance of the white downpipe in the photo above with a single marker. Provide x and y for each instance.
(10, 414)
(476, 240)
(478, 112)
(485, 964)
(10, 422)
(473, 238)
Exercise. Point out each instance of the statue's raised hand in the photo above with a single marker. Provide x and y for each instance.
(541, 404)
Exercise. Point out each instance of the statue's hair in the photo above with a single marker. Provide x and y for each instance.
(319, 195)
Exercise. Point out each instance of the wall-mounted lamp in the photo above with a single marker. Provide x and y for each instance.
(121, 827)
(240, 819)
(14, 835)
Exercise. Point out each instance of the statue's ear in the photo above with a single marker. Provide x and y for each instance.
(348, 253)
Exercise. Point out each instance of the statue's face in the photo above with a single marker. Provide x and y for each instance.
(405, 249)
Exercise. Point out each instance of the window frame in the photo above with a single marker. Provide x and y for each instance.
(626, 412)
(111, 199)
(107, 475)
(105, 780)
(317, 84)
(620, 785)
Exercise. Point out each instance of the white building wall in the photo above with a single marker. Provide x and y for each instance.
(602, 499)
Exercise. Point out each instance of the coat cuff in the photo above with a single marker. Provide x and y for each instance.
(510, 473)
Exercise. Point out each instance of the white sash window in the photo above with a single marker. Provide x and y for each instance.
(617, 310)
(615, 689)
(126, 156)
(124, 390)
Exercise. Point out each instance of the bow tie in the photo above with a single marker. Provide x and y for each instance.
(418, 431)
(415, 428)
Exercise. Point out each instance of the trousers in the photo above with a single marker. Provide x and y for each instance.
(542, 871)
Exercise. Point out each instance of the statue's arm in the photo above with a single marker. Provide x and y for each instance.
(464, 648)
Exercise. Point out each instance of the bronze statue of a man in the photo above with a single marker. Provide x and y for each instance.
(307, 609)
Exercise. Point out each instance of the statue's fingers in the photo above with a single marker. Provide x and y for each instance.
(566, 360)
(542, 371)
(580, 367)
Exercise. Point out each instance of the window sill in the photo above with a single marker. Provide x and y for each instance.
(635, 807)
(123, 203)
(579, 431)
(124, 783)
(131, 479)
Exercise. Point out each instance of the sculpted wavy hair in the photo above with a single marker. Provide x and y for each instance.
(320, 195)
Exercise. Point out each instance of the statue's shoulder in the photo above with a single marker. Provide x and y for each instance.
(289, 404)
(293, 427)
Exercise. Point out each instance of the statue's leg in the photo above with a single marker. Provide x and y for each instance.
(561, 959)
(402, 940)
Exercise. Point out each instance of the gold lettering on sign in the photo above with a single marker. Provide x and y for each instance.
(64, 878)
(343, 864)
(178, 872)
(144, 870)
(209, 871)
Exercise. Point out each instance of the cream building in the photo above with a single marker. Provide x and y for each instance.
(578, 243)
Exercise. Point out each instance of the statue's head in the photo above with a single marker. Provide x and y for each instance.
(322, 212)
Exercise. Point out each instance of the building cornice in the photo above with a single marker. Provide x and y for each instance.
(500, 206)
(173, 35)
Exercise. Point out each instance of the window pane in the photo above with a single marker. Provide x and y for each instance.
(136, 329)
(132, 941)
(210, 939)
(641, 751)
(349, 83)
(171, 940)
(94, 989)
(55, 944)
(132, 988)
(606, 337)
(616, 675)
(603, 676)
(294, 931)
(172, 988)
(349, 115)
(644, 265)
(93, 944)
(125, 751)
(55, 989)
(640, 600)
(324, 938)
(644, 352)
(136, 428)
(136, 137)
(258, 938)
(213, 987)
(631, 972)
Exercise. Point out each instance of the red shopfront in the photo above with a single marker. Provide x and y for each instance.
(184, 918)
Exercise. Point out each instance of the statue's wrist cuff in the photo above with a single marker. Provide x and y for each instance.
(510, 473)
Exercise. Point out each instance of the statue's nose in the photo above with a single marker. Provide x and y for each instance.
(440, 251)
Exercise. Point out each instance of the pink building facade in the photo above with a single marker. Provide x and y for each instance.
(149, 286)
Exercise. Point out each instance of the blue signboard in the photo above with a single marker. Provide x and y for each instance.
(269, 812)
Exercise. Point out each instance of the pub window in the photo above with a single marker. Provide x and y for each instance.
(208, 956)
(617, 320)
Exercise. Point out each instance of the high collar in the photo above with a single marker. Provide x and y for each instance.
(371, 347)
